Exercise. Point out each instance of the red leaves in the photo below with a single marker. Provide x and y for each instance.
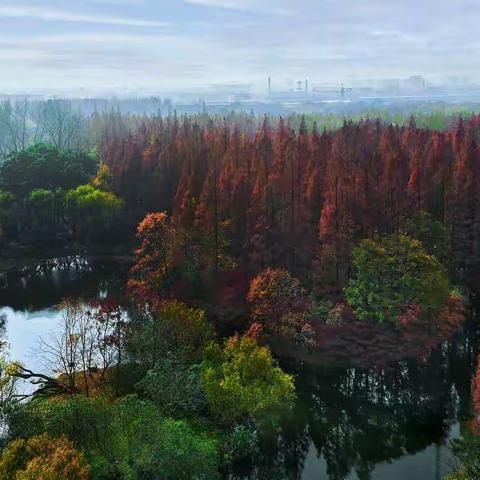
(255, 331)
(411, 314)
(152, 269)
(295, 199)
(452, 316)
(274, 293)
(279, 303)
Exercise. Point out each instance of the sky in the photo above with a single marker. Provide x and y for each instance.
(164, 46)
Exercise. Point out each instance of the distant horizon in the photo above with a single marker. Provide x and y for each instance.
(161, 47)
(278, 86)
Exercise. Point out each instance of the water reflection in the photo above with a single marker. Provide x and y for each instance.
(24, 329)
(41, 287)
(387, 423)
(29, 298)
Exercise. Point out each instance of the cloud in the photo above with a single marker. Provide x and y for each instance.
(54, 15)
(226, 4)
(117, 2)
(93, 43)
(243, 6)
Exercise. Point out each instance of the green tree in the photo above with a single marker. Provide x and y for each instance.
(8, 217)
(433, 234)
(83, 420)
(393, 274)
(86, 421)
(41, 203)
(170, 327)
(466, 451)
(45, 166)
(127, 439)
(40, 197)
(175, 387)
(92, 210)
(6, 199)
(242, 380)
(148, 445)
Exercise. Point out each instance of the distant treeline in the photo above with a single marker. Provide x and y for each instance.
(84, 123)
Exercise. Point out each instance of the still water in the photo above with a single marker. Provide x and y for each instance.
(29, 300)
(393, 423)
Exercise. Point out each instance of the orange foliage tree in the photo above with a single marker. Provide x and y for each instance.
(152, 270)
(299, 199)
(279, 302)
(43, 457)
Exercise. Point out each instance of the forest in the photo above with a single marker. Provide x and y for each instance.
(251, 240)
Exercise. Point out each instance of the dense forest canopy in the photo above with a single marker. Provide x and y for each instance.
(260, 192)
(302, 199)
(358, 244)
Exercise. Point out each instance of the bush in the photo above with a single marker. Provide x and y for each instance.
(279, 302)
(127, 439)
(83, 420)
(148, 445)
(174, 387)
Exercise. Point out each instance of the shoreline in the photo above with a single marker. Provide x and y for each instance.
(20, 261)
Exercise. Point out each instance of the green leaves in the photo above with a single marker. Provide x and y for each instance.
(393, 274)
(172, 327)
(128, 439)
(92, 210)
(6, 198)
(242, 380)
(40, 197)
(174, 387)
(147, 445)
(466, 451)
(45, 166)
(88, 198)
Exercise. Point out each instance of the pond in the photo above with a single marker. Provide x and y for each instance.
(29, 299)
(381, 424)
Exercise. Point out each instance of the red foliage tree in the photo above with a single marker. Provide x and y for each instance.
(151, 272)
(299, 199)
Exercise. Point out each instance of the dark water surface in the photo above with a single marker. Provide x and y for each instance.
(381, 424)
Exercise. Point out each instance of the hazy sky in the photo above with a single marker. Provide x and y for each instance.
(165, 45)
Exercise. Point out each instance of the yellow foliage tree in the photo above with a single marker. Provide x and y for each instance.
(43, 457)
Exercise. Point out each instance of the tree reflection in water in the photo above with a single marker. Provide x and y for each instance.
(357, 418)
(358, 405)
